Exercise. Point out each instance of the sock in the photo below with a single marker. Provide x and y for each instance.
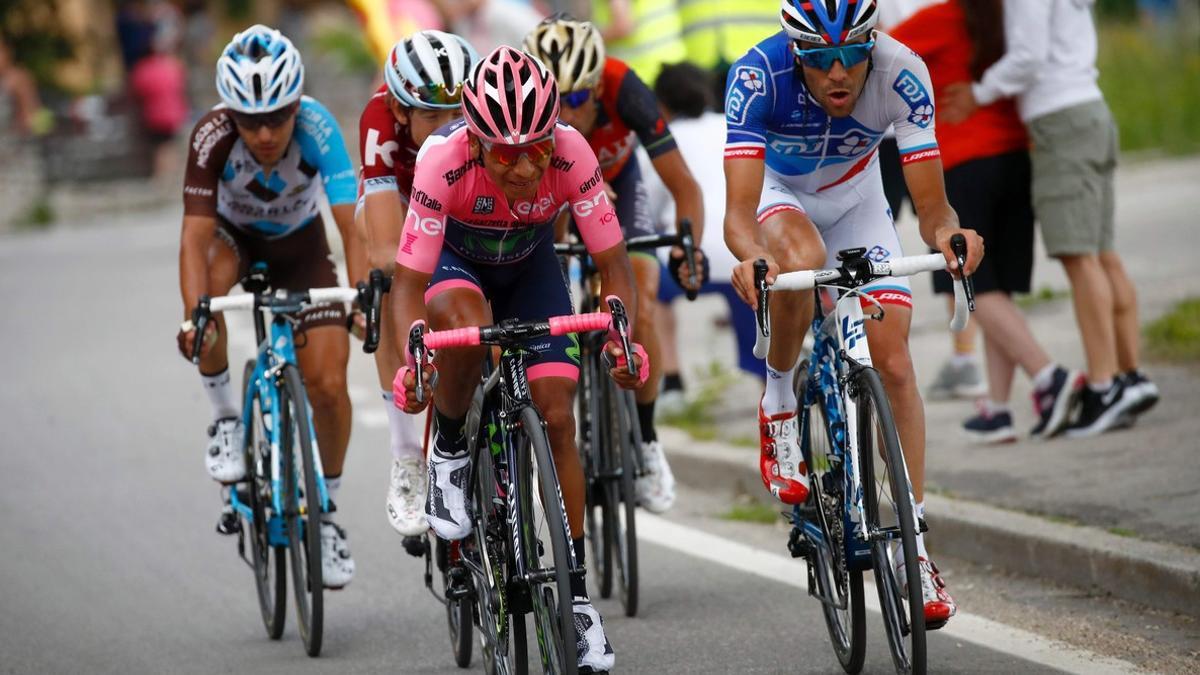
(220, 392)
(921, 546)
(778, 396)
(920, 509)
(1045, 376)
(450, 441)
(992, 408)
(672, 382)
(1100, 387)
(962, 359)
(332, 485)
(404, 429)
(578, 581)
(646, 419)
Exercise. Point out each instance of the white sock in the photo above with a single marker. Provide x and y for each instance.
(962, 359)
(920, 509)
(220, 392)
(993, 408)
(778, 397)
(1044, 376)
(406, 430)
(332, 485)
(920, 535)
(1101, 387)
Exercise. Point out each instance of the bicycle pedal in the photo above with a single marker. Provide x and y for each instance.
(416, 546)
(229, 524)
(935, 625)
(922, 527)
(797, 545)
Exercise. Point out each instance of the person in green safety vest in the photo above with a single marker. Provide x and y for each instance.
(644, 34)
(718, 32)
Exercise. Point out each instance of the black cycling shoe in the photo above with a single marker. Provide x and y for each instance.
(229, 523)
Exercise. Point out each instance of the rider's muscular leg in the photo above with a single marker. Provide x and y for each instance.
(458, 369)
(646, 276)
(796, 244)
(889, 352)
(555, 398)
(323, 359)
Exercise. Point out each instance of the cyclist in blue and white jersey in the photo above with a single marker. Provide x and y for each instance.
(257, 165)
(805, 111)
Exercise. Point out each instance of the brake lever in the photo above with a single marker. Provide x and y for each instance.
(689, 254)
(763, 313)
(370, 299)
(620, 322)
(417, 354)
(958, 245)
(200, 319)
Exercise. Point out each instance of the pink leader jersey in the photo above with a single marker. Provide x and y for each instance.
(454, 202)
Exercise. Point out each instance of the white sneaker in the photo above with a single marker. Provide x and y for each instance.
(406, 497)
(656, 489)
(225, 458)
(337, 567)
(594, 651)
(446, 508)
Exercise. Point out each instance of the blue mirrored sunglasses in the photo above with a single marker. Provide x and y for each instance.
(574, 99)
(823, 58)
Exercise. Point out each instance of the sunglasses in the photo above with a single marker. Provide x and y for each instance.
(575, 99)
(508, 155)
(271, 120)
(823, 58)
(438, 94)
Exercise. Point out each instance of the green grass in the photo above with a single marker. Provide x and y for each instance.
(1152, 85)
(1123, 532)
(39, 216)
(1176, 336)
(349, 47)
(753, 512)
(696, 418)
(1041, 296)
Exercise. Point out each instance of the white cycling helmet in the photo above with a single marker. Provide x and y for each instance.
(259, 71)
(828, 22)
(427, 69)
(572, 50)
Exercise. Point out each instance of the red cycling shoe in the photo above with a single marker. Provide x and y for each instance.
(782, 464)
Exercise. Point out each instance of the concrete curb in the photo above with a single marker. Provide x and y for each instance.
(1160, 575)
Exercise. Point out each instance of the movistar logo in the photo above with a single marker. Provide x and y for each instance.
(573, 350)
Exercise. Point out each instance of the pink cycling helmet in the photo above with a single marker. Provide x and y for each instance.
(510, 98)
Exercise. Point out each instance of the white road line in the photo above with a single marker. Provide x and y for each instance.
(781, 569)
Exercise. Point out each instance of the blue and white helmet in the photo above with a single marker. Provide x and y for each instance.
(259, 71)
(828, 22)
(428, 68)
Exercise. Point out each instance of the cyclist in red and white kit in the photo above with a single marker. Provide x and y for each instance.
(423, 78)
(478, 248)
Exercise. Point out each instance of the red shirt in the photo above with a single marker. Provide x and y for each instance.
(389, 157)
(628, 114)
(938, 34)
(159, 81)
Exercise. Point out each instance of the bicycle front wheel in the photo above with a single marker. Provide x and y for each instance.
(549, 570)
(489, 561)
(270, 566)
(890, 515)
(302, 509)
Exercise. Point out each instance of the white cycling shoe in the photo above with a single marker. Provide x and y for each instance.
(446, 509)
(224, 458)
(594, 651)
(337, 567)
(656, 489)
(406, 497)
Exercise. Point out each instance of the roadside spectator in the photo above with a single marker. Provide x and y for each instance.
(718, 32)
(159, 83)
(19, 101)
(135, 31)
(986, 161)
(1050, 66)
(645, 34)
(960, 376)
(684, 93)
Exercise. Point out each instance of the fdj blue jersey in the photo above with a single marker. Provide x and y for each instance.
(224, 179)
(770, 115)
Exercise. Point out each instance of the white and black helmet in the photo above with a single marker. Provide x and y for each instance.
(427, 69)
(259, 71)
(828, 22)
(572, 50)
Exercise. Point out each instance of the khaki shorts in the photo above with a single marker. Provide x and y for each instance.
(1074, 158)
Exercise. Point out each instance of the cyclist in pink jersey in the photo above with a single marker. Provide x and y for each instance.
(422, 91)
(477, 248)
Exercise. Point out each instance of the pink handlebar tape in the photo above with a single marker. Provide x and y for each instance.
(579, 323)
(455, 337)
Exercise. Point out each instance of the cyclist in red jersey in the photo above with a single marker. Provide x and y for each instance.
(422, 88)
(607, 102)
(478, 248)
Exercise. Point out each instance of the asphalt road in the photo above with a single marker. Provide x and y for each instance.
(109, 563)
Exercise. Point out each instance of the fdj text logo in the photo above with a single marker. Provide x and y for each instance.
(852, 332)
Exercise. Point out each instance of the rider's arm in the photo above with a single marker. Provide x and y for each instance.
(194, 242)
(689, 202)
(384, 212)
(208, 149)
(616, 277)
(383, 208)
(322, 145)
(352, 244)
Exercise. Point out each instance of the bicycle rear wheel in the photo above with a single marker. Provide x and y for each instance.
(550, 582)
(302, 510)
(599, 466)
(627, 442)
(845, 620)
(891, 519)
(270, 566)
(459, 608)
